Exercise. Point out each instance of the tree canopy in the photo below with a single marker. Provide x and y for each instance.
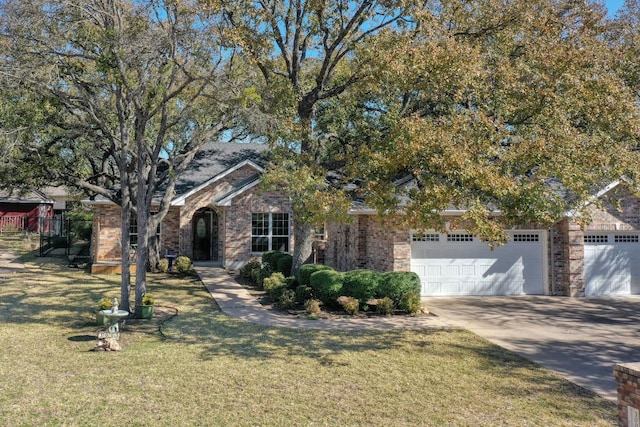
(115, 98)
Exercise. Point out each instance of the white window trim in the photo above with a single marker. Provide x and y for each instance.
(270, 234)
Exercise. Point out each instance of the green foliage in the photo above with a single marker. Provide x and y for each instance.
(284, 264)
(81, 223)
(183, 265)
(270, 258)
(105, 303)
(385, 306)
(307, 270)
(248, 271)
(163, 265)
(287, 299)
(410, 302)
(361, 284)
(349, 304)
(275, 285)
(395, 284)
(303, 293)
(327, 286)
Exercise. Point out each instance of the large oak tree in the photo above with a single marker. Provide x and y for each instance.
(122, 94)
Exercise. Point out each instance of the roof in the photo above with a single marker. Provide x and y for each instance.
(22, 196)
(216, 158)
(214, 161)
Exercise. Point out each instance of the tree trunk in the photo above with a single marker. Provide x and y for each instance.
(303, 241)
(125, 217)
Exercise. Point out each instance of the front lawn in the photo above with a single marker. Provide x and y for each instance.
(204, 368)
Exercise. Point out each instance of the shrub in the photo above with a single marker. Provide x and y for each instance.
(274, 285)
(287, 299)
(394, 284)
(270, 258)
(410, 302)
(247, 271)
(305, 272)
(284, 264)
(385, 306)
(327, 286)
(349, 304)
(183, 265)
(361, 284)
(312, 306)
(303, 293)
(163, 265)
(260, 274)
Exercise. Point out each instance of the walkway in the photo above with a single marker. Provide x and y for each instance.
(9, 263)
(235, 301)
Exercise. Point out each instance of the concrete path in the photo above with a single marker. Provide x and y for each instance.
(580, 338)
(236, 301)
(9, 263)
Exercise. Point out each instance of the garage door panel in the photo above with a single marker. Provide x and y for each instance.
(466, 267)
(612, 264)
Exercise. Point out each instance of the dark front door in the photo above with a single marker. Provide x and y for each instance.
(202, 241)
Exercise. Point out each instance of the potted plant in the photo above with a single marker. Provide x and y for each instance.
(146, 310)
(104, 304)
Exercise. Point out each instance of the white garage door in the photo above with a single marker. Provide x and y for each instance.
(611, 263)
(461, 264)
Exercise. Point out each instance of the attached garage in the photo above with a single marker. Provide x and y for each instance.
(459, 263)
(611, 263)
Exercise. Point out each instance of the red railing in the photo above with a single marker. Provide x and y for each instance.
(13, 223)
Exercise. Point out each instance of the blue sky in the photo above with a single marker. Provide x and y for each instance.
(613, 5)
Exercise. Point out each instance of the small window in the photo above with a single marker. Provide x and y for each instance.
(269, 232)
(526, 237)
(460, 237)
(133, 229)
(428, 237)
(596, 238)
(625, 238)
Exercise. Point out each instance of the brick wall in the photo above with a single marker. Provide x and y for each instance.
(627, 377)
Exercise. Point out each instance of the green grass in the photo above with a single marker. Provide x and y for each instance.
(208, 369)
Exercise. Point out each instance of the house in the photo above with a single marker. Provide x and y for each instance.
(26, 211)
(600, 259)
(219, 213)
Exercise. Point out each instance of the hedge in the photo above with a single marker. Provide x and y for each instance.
(395, 284)
(327, 285)
(305, 272)
(361, 284)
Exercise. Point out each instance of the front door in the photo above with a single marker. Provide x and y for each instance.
(205, 232)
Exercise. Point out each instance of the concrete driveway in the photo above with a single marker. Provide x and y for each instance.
(580, 338)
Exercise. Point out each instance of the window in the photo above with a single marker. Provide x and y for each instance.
(269, 232)
(596, 238)
(461, 237)
(133, 230)
(526, 237)
(427, 237)
(625, 238)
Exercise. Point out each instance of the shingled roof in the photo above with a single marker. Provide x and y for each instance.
(214, 159)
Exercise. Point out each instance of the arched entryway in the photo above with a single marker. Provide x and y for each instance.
(205, 235)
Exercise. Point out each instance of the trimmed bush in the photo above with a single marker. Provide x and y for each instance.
(327, 286)
(275, 285)
(395, 284)
(284, 264)
(183, 265)
(248, 270)
(163, 265)
(312, 306)
(287, 299)
(410, 302)
(361, 284)
(385, 306)
(305, 272)
(270, 258)
(349, 304)
(303, 293)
